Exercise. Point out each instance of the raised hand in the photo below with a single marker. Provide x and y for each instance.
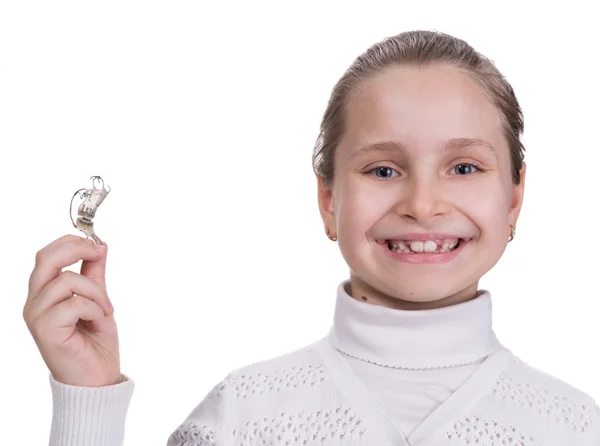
(70, 315)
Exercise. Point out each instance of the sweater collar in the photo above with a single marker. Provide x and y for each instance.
(445, 337)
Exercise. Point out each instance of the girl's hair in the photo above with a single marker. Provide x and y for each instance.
(418, 48)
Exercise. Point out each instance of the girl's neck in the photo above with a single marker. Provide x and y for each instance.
(443, 337)
(363, 292)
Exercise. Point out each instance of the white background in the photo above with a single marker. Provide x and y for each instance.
(202, 119)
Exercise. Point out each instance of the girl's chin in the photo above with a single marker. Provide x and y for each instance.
(417, 291)
(417, 298)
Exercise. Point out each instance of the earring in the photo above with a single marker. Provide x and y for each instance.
(333, 239)
(512, 233)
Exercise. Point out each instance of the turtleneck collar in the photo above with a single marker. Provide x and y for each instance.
(423, 339)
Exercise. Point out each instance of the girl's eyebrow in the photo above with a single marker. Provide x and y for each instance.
(469, 143)
(378, 147)
(450, 145)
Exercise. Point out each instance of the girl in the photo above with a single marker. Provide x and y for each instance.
(420, 177)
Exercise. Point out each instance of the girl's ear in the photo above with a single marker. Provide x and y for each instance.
(325, 196)
(517, 198)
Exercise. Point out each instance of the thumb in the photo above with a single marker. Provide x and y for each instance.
(96, 269)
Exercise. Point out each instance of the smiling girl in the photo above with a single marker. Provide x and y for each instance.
(420, 181)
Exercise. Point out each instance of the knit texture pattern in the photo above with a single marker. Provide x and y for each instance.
(298, 399)
(293, 400)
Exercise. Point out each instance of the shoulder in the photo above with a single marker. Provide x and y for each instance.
(264, 380)
(545, 400)
(258, 398)
(522, 381)
(302, 367)
(289, 399)
(269, 388)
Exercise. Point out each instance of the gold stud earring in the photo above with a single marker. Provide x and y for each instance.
(512, 233)
(333, 239)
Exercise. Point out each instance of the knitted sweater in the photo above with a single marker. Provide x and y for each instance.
(379, 377)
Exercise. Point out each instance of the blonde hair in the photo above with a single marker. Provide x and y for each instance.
(418, 48)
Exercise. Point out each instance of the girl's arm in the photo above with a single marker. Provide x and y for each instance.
(204, 426)
(95, 416)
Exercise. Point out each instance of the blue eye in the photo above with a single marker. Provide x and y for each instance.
(465, 169)
(384, 172)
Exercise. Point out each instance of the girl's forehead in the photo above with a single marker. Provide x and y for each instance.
(421, 107)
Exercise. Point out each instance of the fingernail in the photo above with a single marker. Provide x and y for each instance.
(100, 248)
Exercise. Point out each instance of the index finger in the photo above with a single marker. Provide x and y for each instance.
(59, 254)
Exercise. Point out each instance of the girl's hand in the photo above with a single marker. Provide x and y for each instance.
(70, 315)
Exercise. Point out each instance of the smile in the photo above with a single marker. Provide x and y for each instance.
(424, 249)
(424, 246)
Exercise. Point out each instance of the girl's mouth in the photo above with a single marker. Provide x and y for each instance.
(424, 246)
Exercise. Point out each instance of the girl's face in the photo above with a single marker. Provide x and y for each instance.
(423, 164)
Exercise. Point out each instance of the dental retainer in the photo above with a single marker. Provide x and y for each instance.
(87, 209)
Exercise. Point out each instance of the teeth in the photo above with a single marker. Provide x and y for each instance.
(416, 246)
(429, 246)
(449, 244)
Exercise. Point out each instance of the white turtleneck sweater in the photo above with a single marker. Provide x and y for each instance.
(412, 361)
(381, 376)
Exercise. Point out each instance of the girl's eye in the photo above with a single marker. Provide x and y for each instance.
(465, 169)
(384, 172)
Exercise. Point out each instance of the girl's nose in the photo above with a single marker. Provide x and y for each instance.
(421, 202)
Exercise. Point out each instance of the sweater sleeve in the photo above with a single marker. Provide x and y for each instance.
(91, 416)
(593, 439)
(204, 425)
